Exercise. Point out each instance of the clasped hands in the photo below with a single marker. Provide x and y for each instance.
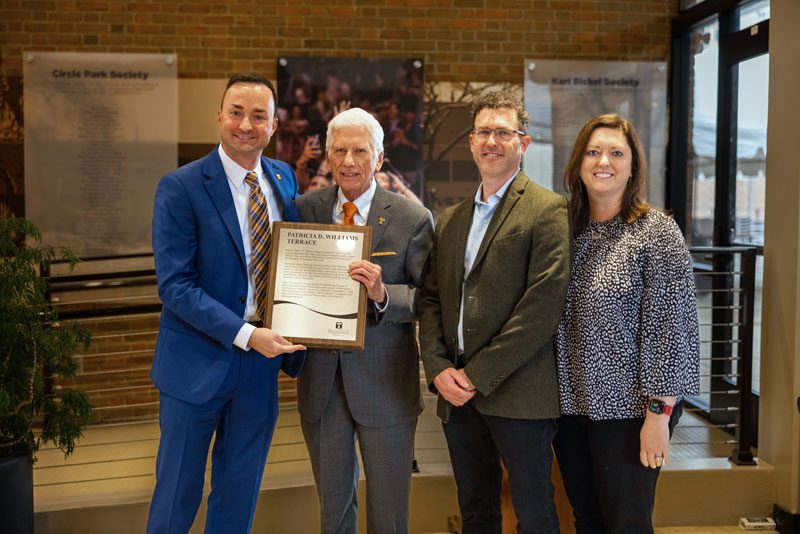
(454, 385)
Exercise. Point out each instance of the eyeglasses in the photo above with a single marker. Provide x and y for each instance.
(500, 133)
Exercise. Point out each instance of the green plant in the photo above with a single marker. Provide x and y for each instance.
(35, 349)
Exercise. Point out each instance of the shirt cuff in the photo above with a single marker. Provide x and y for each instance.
(243, 336)
(382, 307)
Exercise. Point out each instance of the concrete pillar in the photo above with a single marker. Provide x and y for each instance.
(779, 427)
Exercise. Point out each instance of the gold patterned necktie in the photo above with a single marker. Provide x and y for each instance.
(350, 211)
(260, 242)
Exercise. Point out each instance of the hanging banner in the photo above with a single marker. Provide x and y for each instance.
(311, 90)
(562, 96)
(100, 131)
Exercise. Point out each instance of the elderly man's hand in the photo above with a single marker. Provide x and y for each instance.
(369, 275)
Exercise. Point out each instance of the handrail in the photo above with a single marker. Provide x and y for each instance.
(730, 273)
(726, 297)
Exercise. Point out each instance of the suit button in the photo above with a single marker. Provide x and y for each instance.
(242, 299)
(333, 352)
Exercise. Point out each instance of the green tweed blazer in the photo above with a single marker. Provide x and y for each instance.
(513, 300)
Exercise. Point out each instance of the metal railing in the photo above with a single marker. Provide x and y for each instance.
(725, 279)
(726, 288)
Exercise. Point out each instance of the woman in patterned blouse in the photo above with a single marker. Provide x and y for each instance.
(628, 342)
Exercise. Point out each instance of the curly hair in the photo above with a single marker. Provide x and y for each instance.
(501, 99)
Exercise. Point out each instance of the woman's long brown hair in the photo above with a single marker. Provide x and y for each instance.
(633, 203)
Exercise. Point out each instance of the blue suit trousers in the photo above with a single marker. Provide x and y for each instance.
(243, 412)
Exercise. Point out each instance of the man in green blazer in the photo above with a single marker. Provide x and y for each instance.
(491, 300)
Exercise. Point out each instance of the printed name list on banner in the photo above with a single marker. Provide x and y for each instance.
(562, 96)
(100, 130)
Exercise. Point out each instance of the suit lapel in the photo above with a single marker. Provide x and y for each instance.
(511, 197)
(379, 215)
(276, 180)
(323, 209)
(220, 193)
(461, 221)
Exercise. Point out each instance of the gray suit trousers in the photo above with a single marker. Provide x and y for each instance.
(387, 454)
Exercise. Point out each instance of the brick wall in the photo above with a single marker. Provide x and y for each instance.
(460, 40)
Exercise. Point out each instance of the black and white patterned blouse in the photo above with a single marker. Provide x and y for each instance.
(629, 329)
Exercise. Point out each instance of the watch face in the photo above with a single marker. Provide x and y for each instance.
(656, 406)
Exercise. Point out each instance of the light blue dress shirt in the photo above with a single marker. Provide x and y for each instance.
(481, 218)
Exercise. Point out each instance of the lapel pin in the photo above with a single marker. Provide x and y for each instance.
(278, 176)
(381, 220)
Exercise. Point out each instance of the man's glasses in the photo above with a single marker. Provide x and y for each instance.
(500, 133)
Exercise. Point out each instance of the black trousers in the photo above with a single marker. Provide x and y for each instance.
(608, 487)
(477, 443)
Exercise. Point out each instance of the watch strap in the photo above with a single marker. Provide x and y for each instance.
(658, 406)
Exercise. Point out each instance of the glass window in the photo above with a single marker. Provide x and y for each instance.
(757, 325)
(751, 149)
(688, 4)
(753, 13)
(702, 134)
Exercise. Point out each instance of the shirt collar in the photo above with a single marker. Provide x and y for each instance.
(362, 203)
(495, 198)
(235, 172)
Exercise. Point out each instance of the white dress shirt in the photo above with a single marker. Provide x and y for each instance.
(240, 192)
(363, 203)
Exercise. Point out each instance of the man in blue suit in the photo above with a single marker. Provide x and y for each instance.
(215, 365)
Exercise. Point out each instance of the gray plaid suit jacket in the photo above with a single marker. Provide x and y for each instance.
(381, 381)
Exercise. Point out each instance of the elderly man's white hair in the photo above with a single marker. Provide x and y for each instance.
(357, 117)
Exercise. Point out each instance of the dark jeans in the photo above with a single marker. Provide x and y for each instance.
(608, 487)
(477, 442)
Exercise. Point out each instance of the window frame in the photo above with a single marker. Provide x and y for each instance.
(735, 46)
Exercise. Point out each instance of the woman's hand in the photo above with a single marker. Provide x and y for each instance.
(654, 440)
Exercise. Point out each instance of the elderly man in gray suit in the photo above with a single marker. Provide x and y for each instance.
(371, 394)
(489, 307)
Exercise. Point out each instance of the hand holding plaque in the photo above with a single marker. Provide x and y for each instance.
(369, 275)
(312, 298)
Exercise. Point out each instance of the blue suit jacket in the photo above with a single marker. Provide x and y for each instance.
(202, 275)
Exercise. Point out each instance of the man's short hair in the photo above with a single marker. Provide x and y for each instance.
(251, 77)
(502, 99)
(357, 117)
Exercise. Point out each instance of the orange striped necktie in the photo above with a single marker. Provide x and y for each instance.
(260, 242)
(350, 211)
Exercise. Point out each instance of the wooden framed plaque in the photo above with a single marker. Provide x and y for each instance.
(312, 300)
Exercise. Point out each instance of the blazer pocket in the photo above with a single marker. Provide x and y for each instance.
(389, 264)
(510, 239)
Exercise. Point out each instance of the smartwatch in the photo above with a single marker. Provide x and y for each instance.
(659, 406)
